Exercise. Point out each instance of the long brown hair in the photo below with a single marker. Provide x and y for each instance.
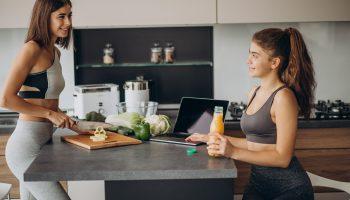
(296, 68)
(39, 27)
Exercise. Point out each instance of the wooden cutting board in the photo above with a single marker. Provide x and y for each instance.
(113, 140)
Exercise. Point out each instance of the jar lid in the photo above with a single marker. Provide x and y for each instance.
(156, 49)
(169, 49)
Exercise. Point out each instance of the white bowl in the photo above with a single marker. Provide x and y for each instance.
(142, 108)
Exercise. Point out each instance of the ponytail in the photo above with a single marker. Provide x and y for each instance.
(299, 74)
(296, 69)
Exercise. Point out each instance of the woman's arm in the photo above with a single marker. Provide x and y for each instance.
(238, 142)
(286, 113)
(21, 67)
(201, 137)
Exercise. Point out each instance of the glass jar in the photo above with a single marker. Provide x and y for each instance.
(108, 54)
(156, 53)
(169, 53)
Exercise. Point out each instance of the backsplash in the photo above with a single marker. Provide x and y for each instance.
(328, 43)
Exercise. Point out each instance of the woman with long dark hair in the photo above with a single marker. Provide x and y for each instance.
(280, 59)
(32, 88)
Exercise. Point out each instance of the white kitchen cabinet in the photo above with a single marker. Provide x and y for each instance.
(15, 13)
(119, 13)
(131, 13)
(257, 11)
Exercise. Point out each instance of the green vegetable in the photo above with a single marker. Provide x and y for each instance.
(95, 116)
(125, 119)
(113, 129)
(125, 130)
(142, 131)
(159, 124)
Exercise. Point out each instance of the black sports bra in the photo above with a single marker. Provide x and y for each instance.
(47, 84)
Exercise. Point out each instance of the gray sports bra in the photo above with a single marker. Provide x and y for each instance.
(47, 84)
(259, 126)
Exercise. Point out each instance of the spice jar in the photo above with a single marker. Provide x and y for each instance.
(108, 54)
(156, 53)
(169, 53)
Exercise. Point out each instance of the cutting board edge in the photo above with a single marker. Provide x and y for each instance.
(70, 139)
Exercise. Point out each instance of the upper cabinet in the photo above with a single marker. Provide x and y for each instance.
(117, 13)
(133, 13)
(257, 11)
(15, 13)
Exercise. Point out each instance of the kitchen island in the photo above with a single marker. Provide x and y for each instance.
(322, 146)
(147, 171)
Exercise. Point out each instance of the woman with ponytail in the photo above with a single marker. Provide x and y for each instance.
(280, 59)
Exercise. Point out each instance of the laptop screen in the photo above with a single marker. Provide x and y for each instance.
(196, 114)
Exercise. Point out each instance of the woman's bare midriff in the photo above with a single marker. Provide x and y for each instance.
(253, 146)
(51, 104)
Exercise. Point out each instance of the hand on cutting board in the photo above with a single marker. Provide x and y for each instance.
(76, 129)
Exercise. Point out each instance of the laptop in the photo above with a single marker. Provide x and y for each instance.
(195, 116)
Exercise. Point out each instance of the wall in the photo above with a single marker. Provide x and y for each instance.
(11, 41)
(328, 43)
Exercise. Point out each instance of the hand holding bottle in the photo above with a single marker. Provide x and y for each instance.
(197, 137)
(219, 145)
(216, 128)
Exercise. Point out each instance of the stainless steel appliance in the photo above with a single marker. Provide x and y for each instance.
(136, 91)
(331, 110)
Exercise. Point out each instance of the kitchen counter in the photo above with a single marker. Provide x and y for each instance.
(149, 161)
(10, 119)
(302, 124)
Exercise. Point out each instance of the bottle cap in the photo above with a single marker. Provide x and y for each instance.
(191, 151)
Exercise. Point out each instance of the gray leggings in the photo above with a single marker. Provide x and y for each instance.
(21, 149)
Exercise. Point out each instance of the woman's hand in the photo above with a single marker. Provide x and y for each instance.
(197, 137)
(78, 130)
(61, 120)
(218, 145)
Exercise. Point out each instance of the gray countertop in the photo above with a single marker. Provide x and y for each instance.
(147, 161)
(302, 124)
(8, 122)
(235, 125)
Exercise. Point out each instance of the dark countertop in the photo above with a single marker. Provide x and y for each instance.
(147, 161)
(302, 124)
(9, 126)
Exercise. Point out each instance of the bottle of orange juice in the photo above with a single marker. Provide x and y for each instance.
(217, 124)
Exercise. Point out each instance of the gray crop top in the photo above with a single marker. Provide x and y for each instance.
(47, 84)
(259, 126)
